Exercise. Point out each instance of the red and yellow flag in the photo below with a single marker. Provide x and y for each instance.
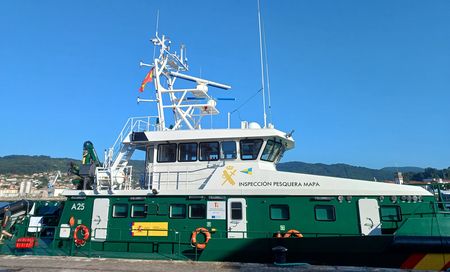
(148, 78)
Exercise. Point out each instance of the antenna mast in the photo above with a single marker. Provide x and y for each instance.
(262, 66)
(268, 78)
(187, 110)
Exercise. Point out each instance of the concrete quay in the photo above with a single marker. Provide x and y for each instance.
(77, 264)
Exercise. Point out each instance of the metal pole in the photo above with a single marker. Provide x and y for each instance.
(262, 66)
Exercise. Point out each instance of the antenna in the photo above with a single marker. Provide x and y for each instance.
(262, 66)
(156, 31)
(157, 22)
(267, 75)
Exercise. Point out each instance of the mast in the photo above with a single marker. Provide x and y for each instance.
(188, 105)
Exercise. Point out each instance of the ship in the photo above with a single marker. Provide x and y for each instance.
(214, 194)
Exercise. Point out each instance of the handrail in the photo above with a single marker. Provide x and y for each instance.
(133, 124)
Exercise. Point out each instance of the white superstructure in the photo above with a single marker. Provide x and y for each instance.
(184, 159)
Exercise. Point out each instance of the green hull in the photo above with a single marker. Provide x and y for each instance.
(420, 238)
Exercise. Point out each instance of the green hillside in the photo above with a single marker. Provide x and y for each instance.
(24, 165)
(21, 164)
(345, 170)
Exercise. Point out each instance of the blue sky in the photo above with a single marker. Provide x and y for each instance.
(361, 82)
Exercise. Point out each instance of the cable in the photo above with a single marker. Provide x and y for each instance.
(246, 101)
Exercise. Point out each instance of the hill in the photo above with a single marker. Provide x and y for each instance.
(344, 170)
(21, 164)
(407, 169)
(25, 165)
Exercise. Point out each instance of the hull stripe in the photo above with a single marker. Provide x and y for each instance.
(433, 261)
(412, 261)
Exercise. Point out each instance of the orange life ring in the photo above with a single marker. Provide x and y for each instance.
(294, 233)
(85, 231)
(194, 242)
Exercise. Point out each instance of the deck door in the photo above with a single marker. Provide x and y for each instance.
(369, 217)
(99, 223)
(237, 218)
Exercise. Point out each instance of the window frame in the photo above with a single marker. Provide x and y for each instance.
(222, 153)
(114, 210)
(279, 206)
(196, 152)
(255, 156)
(333, 219)
(177, 217)
(281, 153)
(158, 159)
(233, 209)
(200, 150)
(273, 152)
(190, 211)
(132, 211)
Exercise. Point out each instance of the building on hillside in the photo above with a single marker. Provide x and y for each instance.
(398, 178)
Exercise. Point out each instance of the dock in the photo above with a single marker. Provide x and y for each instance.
(76, 264)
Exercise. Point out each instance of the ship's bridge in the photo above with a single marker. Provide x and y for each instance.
(178, 157)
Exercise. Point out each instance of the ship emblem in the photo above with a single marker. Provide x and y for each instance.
(248, 171)
(228, 174)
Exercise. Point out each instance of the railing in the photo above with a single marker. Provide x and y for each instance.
(133, 124)
(180, 179)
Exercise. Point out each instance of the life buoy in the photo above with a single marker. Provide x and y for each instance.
(84, 231)
(194, 242)
(294, 233)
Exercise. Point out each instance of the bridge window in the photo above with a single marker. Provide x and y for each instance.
(167, 152)
(325, 213)
(391, 213)
(178, 211)
(120, 210)
(188, 152)
(279, 212)
(209, 151)
(229, 150)
(271, 151)
(250, 148)
(197, 211)
(138, 210)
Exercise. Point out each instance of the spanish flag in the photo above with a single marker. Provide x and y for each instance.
(148, 78)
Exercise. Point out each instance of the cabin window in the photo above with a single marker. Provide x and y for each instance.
(120, 210)
(209, 151)
(271, 151)
(391, 213)
(280, 154)
(188, 152)
(325, 213)
(178, 211)
(250, 149)
(229, 150)
(138, 210)
(197, 211)
(279, 212)
(167, 152)
(236, 211)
